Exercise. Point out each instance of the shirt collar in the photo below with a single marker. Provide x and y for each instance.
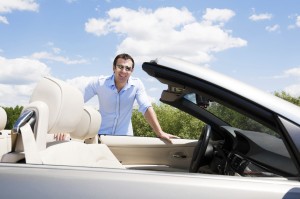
(111, 82)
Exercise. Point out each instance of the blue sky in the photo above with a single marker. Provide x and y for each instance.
(255, 41)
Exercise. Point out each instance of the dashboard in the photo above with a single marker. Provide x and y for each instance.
(250, 154)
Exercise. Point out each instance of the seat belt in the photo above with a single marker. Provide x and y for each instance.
(32, 155)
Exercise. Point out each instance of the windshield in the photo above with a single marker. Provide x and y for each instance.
(230, 116)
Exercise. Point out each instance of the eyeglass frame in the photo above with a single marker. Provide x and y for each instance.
(121, 67)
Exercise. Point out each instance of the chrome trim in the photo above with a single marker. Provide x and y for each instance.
(28, 116)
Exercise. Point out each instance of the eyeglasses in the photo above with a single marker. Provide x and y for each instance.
(127, 68)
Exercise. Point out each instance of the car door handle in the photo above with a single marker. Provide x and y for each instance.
(179, 155)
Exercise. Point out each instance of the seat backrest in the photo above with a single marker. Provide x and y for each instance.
(88, 127)
(3, 118)
(5, 139)
(64, 103)
(58, 109)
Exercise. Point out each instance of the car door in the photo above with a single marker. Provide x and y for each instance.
(151, 153)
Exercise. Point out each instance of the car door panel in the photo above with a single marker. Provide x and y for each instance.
(143, 151)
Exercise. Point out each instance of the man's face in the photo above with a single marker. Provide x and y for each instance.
(122, 70)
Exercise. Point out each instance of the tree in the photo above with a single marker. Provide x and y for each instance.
(236, 119)
(288, 97)
(12, 115)
(171, 120)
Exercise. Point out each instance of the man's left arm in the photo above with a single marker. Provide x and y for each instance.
(151, 118)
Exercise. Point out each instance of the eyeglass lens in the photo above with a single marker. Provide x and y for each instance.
(127, 68)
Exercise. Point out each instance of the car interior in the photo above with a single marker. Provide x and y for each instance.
(31, 141)
(56, 107)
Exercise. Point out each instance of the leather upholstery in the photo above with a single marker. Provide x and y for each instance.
(88, 126)
(3, 118)
(64, 103)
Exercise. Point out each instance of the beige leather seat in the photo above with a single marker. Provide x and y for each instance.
(5, 141)
(88, 127)
(54, 107)
(3, 118)
(59, 108)
(76, 152)
(86, 130)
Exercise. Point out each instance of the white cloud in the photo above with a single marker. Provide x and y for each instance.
(80, 83)
(7, 6)
(57, 58)
(260, 17)
(218, 15)
(17, 79)
(13, 95)
(56, 50)
(98, 27)
(153, 89)
(293, 90)
(273, 28)
(3, 20)
(21, 70)
(298, 21)
(293, 72)
(167, 31)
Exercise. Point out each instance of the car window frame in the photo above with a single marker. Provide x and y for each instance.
(232, 100)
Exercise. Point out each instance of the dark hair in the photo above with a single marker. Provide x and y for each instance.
(123, 56)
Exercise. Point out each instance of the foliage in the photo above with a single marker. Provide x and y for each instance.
(175, 121)
(288, 97)
(171, 120)
(237, 120)
(12, 115)
(179, 123)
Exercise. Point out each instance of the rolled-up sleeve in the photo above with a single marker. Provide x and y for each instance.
(142, 97)
(90, 90)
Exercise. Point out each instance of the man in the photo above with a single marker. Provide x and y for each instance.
(116, 96)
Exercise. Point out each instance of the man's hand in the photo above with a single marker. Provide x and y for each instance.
(61, 136)
(153, 122)
(167, 136)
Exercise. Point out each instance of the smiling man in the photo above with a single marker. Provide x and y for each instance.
(116, 96)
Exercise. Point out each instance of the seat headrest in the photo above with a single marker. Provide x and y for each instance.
(89, 124)
(3, 118)
(65, 104)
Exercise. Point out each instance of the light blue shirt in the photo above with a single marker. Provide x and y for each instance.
(116, 108)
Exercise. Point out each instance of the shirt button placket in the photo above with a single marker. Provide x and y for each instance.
(117, 113)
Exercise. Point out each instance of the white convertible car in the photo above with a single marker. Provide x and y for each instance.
(249, 147)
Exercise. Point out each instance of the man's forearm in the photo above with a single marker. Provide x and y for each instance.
(151, 118)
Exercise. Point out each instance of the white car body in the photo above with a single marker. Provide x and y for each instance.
(33, 166)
